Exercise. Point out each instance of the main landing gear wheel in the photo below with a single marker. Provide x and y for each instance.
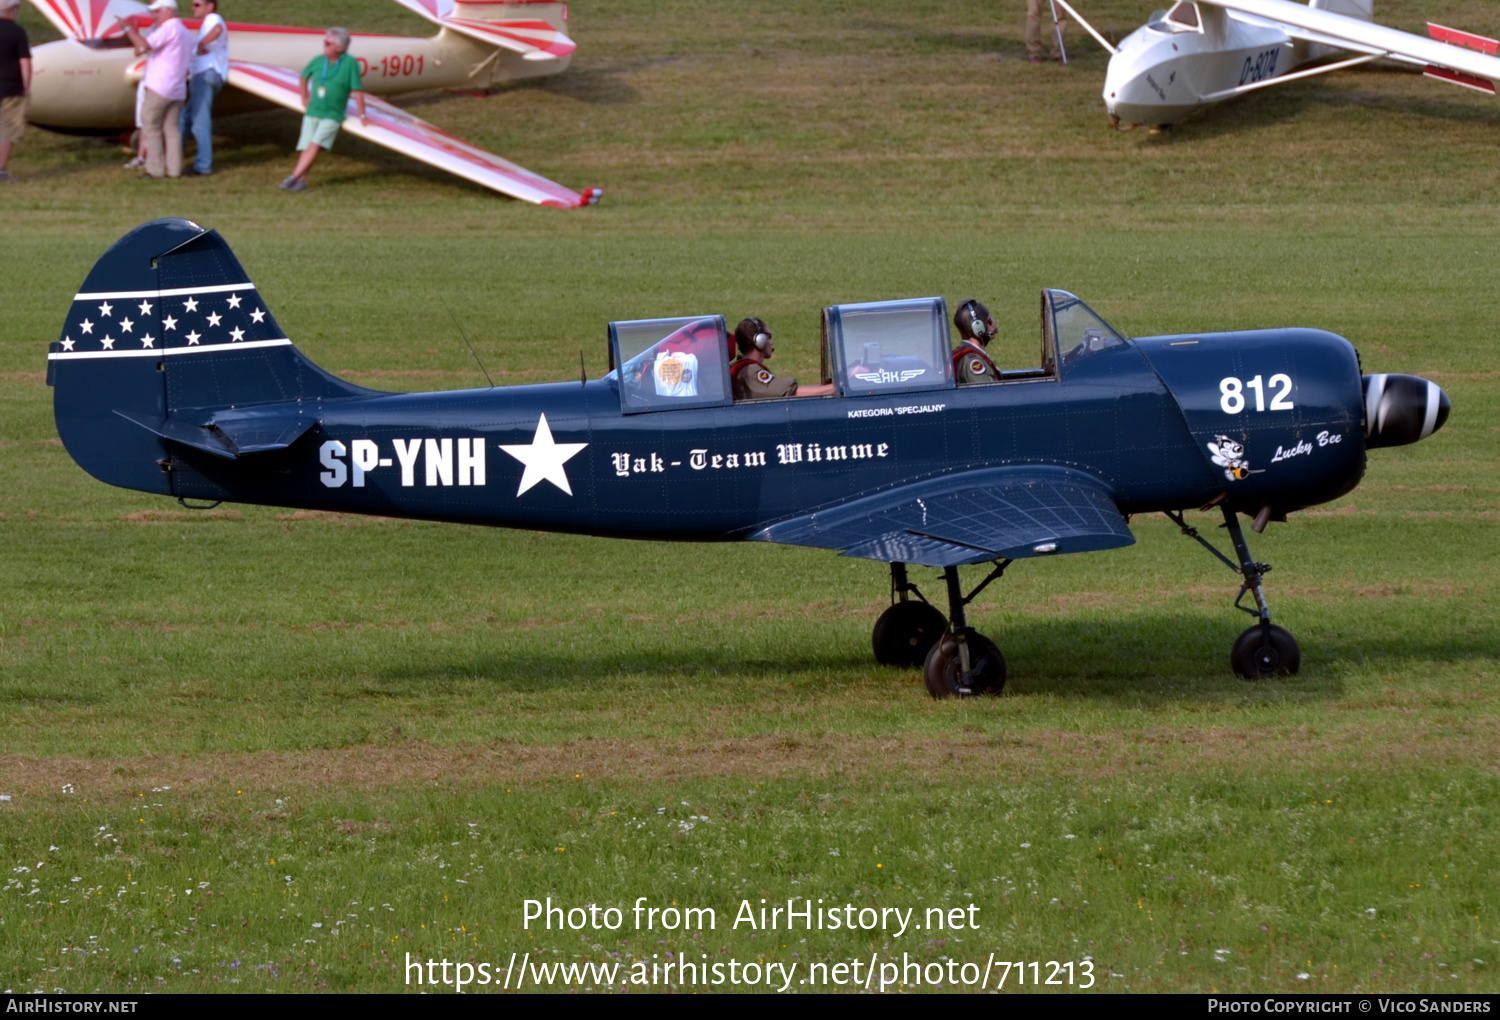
(1264, 651)
(906, 632)
(944, 672)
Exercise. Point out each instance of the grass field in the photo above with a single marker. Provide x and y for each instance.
(253, 749)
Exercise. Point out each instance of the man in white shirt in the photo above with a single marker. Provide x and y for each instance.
(207, 72)
(170, 45)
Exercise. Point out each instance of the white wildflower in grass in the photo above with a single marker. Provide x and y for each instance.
(1070, 836)
(1304, 976)
(1025, 846)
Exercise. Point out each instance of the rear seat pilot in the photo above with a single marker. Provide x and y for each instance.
(971, 360)
(750, 377)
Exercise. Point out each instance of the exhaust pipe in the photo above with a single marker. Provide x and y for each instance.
(1401, 409)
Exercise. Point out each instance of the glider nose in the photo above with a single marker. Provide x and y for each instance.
(1401, 409)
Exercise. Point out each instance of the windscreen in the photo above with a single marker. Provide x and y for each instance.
(668, 363)
(1079, 331)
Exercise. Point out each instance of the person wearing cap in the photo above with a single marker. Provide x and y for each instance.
(15, 83)
(207, 71)
(971, 360)
(170, 46)
(749, 376)
(327, 83)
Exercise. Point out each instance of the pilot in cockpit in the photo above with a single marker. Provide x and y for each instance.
(750, 377)
(971, 360)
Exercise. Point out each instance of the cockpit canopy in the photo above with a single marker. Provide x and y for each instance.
(888, 346)
(671, 363)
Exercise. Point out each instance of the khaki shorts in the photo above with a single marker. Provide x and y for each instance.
(12, 118)
(319, 131)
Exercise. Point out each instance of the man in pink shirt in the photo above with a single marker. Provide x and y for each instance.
(171, 47)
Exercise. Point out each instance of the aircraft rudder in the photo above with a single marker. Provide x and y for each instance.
(166, 328)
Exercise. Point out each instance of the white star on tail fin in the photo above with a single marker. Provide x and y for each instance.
(544, 459)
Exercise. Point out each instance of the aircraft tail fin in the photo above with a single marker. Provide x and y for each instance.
(1364, 10)
(89, 19)
(168, 341)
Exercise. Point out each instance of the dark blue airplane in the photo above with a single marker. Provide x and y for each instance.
(172, 376)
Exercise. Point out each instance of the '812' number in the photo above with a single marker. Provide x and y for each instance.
(1232, 393)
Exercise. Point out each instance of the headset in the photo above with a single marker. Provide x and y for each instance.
(977, 325)
(760, 340)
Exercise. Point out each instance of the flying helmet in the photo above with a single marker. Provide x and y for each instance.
(974, 322)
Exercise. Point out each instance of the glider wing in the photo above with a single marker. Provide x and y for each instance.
(396, 129)
(1454, 58)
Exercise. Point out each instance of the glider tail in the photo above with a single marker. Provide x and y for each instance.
(167, 343)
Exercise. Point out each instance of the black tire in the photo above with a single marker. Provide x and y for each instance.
(943, 673)
(1262, 652)
(906, 632)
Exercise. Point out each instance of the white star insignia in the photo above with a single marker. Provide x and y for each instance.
(193, 337)
(169, 323)
(109, 343)
(145, 307)
(234, 301)
(147, 340)
(191, 304)
(67, 343)
(126, 325)
(86, 326)
(105, 309)
(236, 334)
(544, 459)
(213, 318)
(257, 315)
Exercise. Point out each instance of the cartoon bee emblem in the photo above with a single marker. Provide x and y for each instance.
(1230, 456)
(764, 376)
(976, 366)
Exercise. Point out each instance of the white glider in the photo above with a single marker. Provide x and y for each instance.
(1204, 51)
(86, 82)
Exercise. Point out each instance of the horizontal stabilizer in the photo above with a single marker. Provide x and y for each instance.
(398, 130)
(533, 38)
(992, 513)
(232, 434)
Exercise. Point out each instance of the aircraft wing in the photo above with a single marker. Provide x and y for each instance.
(1365, 37)
(396, 129)
(89, 19)
(533, 38)
(972, 517)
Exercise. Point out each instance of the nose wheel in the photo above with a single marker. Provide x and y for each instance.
(1264, 650)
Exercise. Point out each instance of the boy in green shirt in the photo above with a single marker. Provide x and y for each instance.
(327, 83)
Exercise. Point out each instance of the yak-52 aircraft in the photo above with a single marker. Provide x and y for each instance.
(172, 376)
(1201, 52)
(86, 82)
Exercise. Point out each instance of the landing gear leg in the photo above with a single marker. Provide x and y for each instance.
(906, 632)
(964, 662)
(1264, 649)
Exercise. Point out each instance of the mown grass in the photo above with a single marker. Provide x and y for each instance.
(390, 683)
